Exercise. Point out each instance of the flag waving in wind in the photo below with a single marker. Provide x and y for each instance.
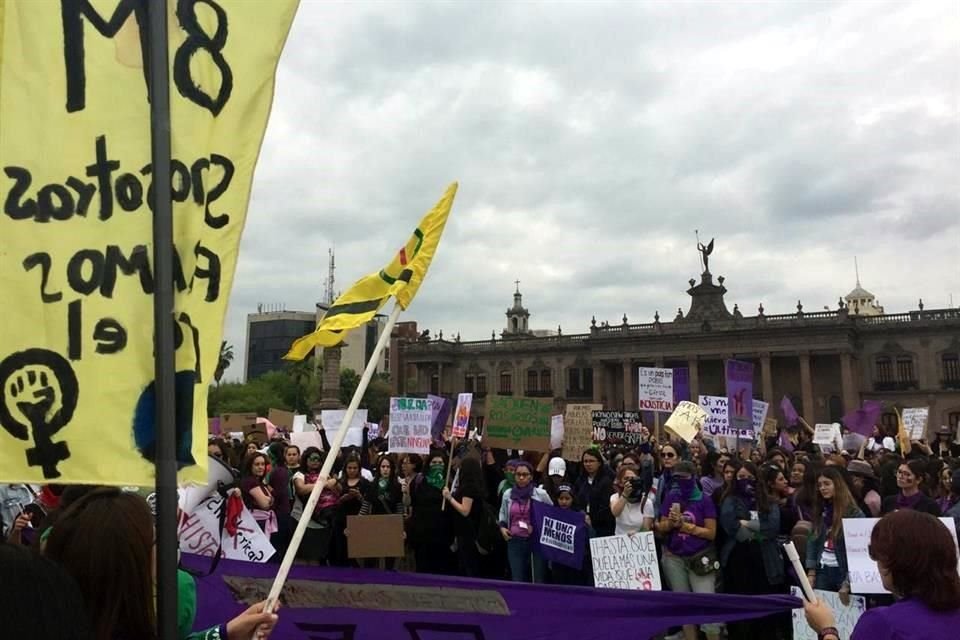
(401, 278)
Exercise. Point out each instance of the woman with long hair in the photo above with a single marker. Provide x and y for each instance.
(516, 524)
(593, 488)
(669, 457)
(257, 493)
(467, 504)
(430, 527)
(353, 486)
(911, 482)
(865, 487)
(750, 555)
(105, 541)
(917, 560)
(631, 504)
(943, 497)
(826, 560)
(384, 496)
(712, 479)
(315, 546)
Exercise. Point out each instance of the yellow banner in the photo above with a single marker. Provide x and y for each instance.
(76, 249)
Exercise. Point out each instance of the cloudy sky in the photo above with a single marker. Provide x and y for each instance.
(590, 141)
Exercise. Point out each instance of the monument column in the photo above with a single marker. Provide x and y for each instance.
(629, 402)
(806, 389)
(330, 380)
(519, 380)
(439, 378)
(766, 377)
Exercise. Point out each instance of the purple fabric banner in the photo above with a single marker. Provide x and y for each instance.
(862, 420)
(681, 385)
(740, 394)
(559, 535)
(440, 408)
(785, 442)
(364, 604)
(790, 415)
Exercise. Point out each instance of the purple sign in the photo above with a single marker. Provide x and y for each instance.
(440, 409)
(681, 385)
(365, 604)
(559, 535)
(790, 414)
(740, 394)
(862, 420)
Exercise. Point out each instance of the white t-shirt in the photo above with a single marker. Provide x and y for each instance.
(631, 518)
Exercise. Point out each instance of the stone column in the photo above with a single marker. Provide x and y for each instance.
(519, 380)
(629, 401)
(693, 364)
(598, 382)
(766, 377)
(330, 392)
(439, 378)
(806, 389)
(850, 392)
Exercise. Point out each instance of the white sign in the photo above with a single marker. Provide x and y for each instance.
(760, 410)
(716, 423)
(558, 534)
(845, 617)
(864, 575)
(198, 534)
(300, 424)
(655, 389)
(826, 435)
(686, 421)
(556, 432)
(461, 417)
(410, 423)
(373, 430)
(915, 422)
(306, 439)
(331, 419)
(626, 562)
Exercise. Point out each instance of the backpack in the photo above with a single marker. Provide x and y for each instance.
(488, 529)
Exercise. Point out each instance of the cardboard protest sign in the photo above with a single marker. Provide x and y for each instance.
(556, 432)
(77, 237)
(304, 439)
(845, 617)
(655, 392)
(410, 422)
(461, 417)
(578, 429)
(559, 535)
(915, 422)
(739, 380)
(626, 562)
(617, 427)
(686, 421)
(331, 419)
(281, 419)
(716, 424)
(237, 421)
(256, 432)
(864, 574)
(770, 427)
(375, 536)
(199, 533)
(518, 423)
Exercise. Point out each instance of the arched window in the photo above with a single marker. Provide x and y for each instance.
(506, 383)
(515, 325)
(546, 383)
(532, 381)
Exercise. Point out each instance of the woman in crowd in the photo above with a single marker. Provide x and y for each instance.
(105, 541)
(468, 511)
(384, 496)
(688, 521)
(632, 504)
(944, 496)
(712, 467)
(923, 576)
(556, 475)
(806, 496)
(593, 488)
(217, 448)
(778, 457)
(911, 480)
(750, 556)
(280, 478)
(943, 447)
(559, 573)
(796, 474)
(410, 465)
(826, 560)
(669, 456)
(516, 525)
(430, 527)
(353, 486)
(315, 546)
(865, 487)
(291, 457)
(257, 493)
(781, 494)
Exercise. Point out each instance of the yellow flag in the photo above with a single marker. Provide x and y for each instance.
(76, 249)
(401, 278)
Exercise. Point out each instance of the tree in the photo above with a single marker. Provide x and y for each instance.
(226, 358)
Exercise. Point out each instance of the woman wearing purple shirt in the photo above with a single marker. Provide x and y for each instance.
(922, 575)
(688, 522)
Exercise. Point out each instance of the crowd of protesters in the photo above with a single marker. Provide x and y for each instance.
(720, 517)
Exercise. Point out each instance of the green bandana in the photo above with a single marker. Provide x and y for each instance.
(383, 483)
(435, 476)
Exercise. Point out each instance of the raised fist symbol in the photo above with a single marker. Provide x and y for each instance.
(38, 395)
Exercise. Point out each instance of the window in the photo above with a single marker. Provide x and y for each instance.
(951, 369)
(889, 422)
(468, 384)
(546, 384)
(532, 381)
(481, 384)
(506, 383)
(905, 369)
(836, 409)
(884, 370)
(435, 384)
(953, 420)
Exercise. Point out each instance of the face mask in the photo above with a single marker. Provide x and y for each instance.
(508, 476)
(435, 476)
(382, 483)
(746, 486)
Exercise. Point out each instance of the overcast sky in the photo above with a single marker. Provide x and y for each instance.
(591, 139)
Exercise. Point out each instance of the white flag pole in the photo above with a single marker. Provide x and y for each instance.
(284, 570)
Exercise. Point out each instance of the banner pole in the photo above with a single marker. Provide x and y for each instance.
(446, 481)
(284, 570)
(163, 309)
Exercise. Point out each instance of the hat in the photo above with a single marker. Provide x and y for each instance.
(944, 430)
(564, 488)
(861, 468)
(558, 467)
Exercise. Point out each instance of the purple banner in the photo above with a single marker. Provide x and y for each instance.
(440, 408)
(681, 385)
(740, 394)
(365, 604)
(790, 415)
(559, 535)
(862, 420)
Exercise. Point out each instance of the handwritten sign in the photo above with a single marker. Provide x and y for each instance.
(826, 436)
(740, 394)
(915, 422)
(332, 421)
(410, 422)
(578, 429)
(199, 534)
(845, 617)
(626, 562)
(518, 423)
(716, 424)
(617, 427)
(864, 574)
(461, 417)
(686, 421)
(655, 389)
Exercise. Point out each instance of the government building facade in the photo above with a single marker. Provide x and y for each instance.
(828, 362)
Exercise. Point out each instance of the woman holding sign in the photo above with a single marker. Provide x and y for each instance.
(923, 576)
(516, 525)
(826, 561)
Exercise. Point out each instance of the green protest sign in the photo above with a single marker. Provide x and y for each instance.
(518, 423)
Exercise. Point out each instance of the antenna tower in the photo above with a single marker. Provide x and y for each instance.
(328, 291)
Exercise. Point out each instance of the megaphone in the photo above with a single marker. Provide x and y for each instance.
(218, 472)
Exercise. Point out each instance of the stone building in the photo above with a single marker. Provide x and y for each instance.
(826, 361)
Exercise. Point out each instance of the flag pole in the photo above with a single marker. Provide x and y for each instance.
(163, 308)
(284, 570)
(446, 481)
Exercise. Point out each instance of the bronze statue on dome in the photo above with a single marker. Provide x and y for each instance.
(705, 252)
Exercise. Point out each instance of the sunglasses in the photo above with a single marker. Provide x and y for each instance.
(313, 459)
(669, 455)
(522, 474)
